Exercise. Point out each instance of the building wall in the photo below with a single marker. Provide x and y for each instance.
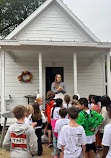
(16, 89)
(0, 79)
(90, 77)
(110, 86)
(53, 25)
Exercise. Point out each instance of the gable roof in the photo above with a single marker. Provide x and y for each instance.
(41, 8)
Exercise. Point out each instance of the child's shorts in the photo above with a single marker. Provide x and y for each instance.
(91, 147)
(101, 135)
(49, 126)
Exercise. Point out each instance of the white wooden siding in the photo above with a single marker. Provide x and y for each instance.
(0, 79)
(53, 25)
(0, 74)
(13, 87)
(90, 76)
(110, 85)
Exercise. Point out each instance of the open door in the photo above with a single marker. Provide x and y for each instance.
(50, 75)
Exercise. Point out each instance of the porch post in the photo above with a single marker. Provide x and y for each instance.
(40, 74)
(108, 74)
(75, 72)
(3, 106)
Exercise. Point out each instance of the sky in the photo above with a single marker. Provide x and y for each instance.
(95, 14)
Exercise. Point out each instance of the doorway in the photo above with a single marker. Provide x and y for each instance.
(50, 75)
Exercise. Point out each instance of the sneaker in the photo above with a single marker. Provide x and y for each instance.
(99, 147)
(54, 155)
(49, 144)
(97, 156)
(44, 138)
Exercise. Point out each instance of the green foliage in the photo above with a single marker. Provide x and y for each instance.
(13, 12)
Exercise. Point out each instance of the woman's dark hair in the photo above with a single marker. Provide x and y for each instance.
(83, 101)
(63, 112)
(105, 100)
(96, 99)
(67, 99)
(37, 113)
(58, 103)
(90, 96)
(75, 97)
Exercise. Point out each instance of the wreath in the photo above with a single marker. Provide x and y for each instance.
(26, 76)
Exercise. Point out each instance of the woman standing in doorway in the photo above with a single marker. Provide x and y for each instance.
(58, 87)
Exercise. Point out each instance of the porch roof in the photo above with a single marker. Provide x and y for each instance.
(5, 44)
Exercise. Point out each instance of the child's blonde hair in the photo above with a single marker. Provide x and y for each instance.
(28, 109)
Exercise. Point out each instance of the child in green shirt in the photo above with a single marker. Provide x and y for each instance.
(89, 119)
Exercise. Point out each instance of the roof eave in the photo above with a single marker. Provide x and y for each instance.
(15, 43)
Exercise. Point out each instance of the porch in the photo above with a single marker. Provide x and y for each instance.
(83, 65)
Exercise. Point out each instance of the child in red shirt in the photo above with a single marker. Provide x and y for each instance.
(96, 107)
(49, 104)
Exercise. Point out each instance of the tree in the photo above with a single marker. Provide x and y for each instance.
(13, 12)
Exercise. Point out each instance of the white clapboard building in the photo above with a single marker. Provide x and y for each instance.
(52, 40)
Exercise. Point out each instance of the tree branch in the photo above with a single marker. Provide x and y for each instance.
(8, 26)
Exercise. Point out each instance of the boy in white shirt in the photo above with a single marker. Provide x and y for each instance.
(60, 123)
(106, 142)
(72, 136)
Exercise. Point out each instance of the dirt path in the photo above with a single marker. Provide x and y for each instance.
(46, 153)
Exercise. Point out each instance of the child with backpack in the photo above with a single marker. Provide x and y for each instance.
(89, 119)
(48, 106)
